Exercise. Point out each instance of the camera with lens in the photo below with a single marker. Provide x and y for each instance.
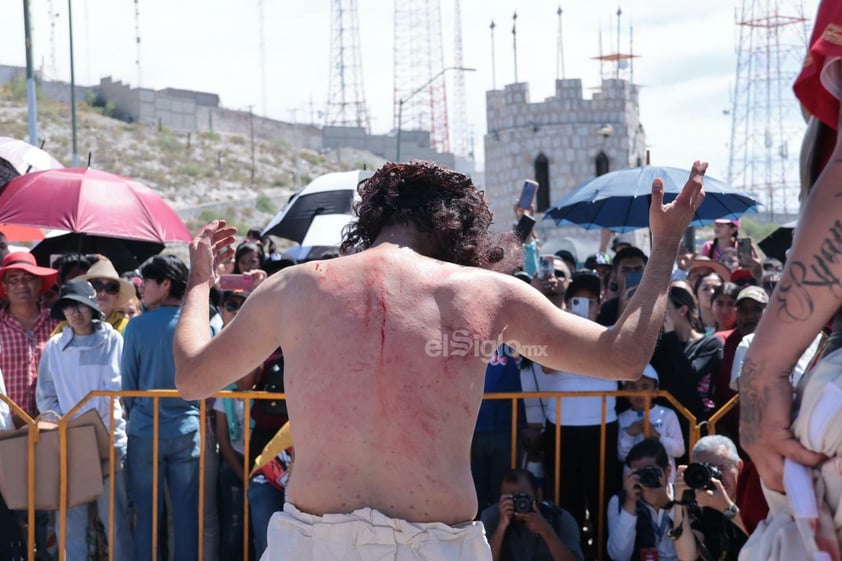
(522, 502)
(701, 475)
(650, 476)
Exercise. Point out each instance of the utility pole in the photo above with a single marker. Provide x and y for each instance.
(251, 134)
(75, 156)
(30, 79)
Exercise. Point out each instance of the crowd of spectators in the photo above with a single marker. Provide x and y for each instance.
(580, 461)
(716, 298)
(80, 326)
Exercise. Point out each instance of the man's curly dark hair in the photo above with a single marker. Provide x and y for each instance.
(433, 200)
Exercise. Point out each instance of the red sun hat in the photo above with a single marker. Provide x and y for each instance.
(25, 261)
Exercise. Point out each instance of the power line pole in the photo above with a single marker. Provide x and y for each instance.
(30, 79)
(251, 134)
(75, 156)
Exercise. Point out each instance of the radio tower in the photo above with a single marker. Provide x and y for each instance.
(766, 123)
(461, 140)
(346, 105)
(418, 58)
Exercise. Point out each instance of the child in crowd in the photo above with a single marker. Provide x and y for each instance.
(663, 422)
(230, 432)
(85, 356)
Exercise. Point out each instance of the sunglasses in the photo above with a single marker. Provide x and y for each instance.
(232, 306)
(110, 287)
(74, 307)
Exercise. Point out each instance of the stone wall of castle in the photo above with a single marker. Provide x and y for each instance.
(566, 131)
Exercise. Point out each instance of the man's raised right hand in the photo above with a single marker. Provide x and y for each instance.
(668, 222)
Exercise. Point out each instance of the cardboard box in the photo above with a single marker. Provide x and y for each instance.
(87, 462)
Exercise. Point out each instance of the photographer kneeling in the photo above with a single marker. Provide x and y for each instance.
(639, 518)
(522, 526)
(707, 489)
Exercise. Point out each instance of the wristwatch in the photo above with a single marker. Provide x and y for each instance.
(731, 512)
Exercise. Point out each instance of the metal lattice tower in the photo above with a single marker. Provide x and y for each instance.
(461, 138)
(419, 56)
(346, 104)
(766, 123)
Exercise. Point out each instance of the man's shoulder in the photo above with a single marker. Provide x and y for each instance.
(151, 320)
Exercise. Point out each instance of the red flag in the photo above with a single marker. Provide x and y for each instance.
(825, 45)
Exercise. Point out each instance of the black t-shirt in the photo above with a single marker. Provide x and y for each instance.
(609, 312)
(723, 539)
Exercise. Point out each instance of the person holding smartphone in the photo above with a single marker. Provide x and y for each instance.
(626, 272)
(725, 234)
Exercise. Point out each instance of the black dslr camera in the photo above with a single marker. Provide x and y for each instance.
(522, 502)
(650, 476)
(701, 475)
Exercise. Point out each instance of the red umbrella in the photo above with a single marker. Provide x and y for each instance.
(18, 233)
(91, 202)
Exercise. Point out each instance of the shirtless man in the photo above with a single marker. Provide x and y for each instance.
(383, 415)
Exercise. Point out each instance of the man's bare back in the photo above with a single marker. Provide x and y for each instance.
(385, 354)
(383, 389)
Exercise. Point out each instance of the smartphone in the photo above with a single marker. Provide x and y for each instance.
(580, 306)
(744, 249)
(546, 266)
(235, 282)
(633, 278)
(524, 227)
(527, 194)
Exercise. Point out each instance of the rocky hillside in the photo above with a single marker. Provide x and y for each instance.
(202, 175)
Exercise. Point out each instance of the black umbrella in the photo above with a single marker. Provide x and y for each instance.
(126, 255)
(329, 194)
(776, 243)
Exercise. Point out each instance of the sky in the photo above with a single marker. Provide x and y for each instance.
(686, 50)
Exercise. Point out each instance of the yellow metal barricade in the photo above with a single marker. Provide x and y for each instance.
(247, 397)
(513, 397)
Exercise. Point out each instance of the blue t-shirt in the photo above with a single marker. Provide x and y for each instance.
(502, 375)
(148, 364)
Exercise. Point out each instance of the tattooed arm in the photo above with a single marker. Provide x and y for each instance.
(808, 294)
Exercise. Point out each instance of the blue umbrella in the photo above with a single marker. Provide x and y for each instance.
(619, 200)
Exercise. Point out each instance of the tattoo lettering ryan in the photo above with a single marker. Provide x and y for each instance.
(792, 295)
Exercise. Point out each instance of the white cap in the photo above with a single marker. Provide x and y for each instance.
(650, 372)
